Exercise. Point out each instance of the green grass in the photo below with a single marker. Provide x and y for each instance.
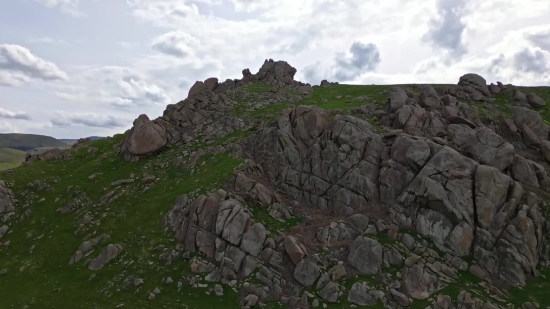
(28, 141)
(133, 220)
(231, 138)
(262, 215)
(43, 278)
(376, 94)
(257, 87)
(503, 103)
(10, 158)
(544, 93)
(535, 291)
(39, 150)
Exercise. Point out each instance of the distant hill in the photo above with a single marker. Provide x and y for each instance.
(10, 158)
(71, 141)
(27, 142)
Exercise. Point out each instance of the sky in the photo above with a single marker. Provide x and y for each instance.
(76, 68)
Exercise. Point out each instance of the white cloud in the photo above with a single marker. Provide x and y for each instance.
(48, 40)
(18, 65)
(4, 113)
(67, 6)
(113, 85)
(64, 119)
(176, 43)
(144, 54)
(6, 127)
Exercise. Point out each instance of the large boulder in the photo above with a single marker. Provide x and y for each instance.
(535, 101)
(531, 119)
(7, 202)
(108, 254)
(366, 255)
(279, 71)
(144, 139)
(295, 250)
(48, 155)
(253, 239)
(307, 271)
(420, 282)
(545, 148)
(476, 82)
(442, 196)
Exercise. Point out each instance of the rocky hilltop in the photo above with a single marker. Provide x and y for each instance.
(318, 196)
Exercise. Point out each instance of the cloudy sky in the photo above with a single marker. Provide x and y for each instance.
(74, 68)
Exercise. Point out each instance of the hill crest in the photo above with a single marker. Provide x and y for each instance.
(265, 190)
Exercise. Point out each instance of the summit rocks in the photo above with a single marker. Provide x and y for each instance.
(463, 184)
(204, 110)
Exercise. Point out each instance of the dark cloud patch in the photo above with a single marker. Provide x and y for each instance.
(185, 84)
(89, 120)
(541, 40)
(530, 61)
(295, 41)
(313, 73)
(4, 113)
(496, 64)
(364, 57)
(446, 30)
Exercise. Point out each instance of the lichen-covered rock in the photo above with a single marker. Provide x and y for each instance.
(535, 101)
(307, 271)
(338, 161)
(144, 139)
(363, 295)
(419, 282)
(366, 255)
(7, 201)
(108, 254)
(545, 148)
(295, 250)
(253, 239)
(530, 118)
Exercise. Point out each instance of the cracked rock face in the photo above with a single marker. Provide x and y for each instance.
(443, 189)
(441, 173)
(7, 201)
(325, 165)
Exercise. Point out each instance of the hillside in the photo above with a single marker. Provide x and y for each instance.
(72, 141)
(267, 192)
(27, 142)
(10, 158)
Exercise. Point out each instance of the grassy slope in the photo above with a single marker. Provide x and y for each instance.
(39, 150)
(28, 141)
(134, 221)
(10, 158)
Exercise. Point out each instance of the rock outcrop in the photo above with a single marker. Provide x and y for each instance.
(144, 139)
(7, 201)
(48, 155)
(108, 254)
(462, 183)
(204, 110)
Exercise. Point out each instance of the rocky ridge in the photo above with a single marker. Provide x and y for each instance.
(422, 193)
(439, 171)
